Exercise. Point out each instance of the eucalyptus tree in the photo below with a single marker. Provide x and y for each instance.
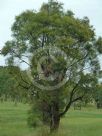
(61, 52)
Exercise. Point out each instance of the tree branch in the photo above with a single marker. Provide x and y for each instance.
(20, 58)
(25, 87)
(78, 98)
(71, 99)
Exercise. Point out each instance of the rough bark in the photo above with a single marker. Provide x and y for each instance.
(55, 118)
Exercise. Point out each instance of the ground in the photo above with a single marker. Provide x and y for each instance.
(87, 122)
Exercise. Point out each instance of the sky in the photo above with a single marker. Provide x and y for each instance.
(11, 8)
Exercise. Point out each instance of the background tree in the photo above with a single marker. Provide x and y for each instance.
(51, 26)
(10, 88)
(97, 95)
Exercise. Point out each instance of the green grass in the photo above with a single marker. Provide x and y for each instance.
(87, 122)
(13, 120)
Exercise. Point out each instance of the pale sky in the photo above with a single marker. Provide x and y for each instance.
(10, 8)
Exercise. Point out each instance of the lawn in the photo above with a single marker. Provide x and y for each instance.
(87, 122)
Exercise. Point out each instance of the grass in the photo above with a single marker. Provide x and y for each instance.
(87, 122)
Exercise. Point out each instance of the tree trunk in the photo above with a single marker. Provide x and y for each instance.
(55, 118)
(54, 124)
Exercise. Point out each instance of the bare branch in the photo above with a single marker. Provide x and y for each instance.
(21, 58)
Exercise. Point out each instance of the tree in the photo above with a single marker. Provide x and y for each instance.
(10, 85)
(4, 82)
(61, 52)
(19, 84)
(97, 96)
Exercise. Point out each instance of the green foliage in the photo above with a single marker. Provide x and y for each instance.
(34, 116)
(99, 44)
(32, 120)
(9, 84)
(98, 94)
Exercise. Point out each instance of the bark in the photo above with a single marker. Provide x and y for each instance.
(55, 121)
(55, 118)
